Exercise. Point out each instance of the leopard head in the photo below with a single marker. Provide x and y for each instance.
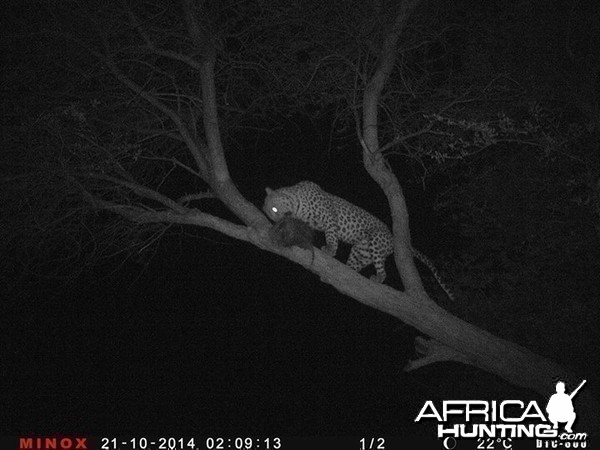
(278, 205)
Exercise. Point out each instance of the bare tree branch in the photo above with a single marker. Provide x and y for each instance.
(186, 217)
(143, 192)
(179, 123)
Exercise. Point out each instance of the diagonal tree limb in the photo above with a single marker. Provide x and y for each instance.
(142, 191)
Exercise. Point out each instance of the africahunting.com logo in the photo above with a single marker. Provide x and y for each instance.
(502, 422)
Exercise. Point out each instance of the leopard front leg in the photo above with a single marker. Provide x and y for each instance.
(330, 226)
(331, 240)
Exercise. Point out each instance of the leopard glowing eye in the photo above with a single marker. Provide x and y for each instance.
(274, 209)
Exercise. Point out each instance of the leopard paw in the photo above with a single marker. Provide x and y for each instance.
(327, 249)
(378, 278)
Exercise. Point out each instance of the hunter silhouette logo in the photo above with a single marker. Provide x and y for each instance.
(560, 406)
(493, 421)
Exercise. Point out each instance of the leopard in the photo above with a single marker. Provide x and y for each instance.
(371, 239)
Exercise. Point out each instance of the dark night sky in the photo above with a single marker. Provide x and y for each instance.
(216, 336)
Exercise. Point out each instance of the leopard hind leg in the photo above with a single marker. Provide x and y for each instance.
(362, 254)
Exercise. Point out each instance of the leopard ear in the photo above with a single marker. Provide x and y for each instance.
(269, 191)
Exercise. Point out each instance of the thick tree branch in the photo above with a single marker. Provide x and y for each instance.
(220, 179)
(374, 161)
(453, 338)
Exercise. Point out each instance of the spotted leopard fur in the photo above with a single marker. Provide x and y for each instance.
(340, 220)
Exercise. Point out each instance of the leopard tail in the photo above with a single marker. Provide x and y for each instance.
(436, 274)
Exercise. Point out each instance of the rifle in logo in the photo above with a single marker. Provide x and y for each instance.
(572, 394)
